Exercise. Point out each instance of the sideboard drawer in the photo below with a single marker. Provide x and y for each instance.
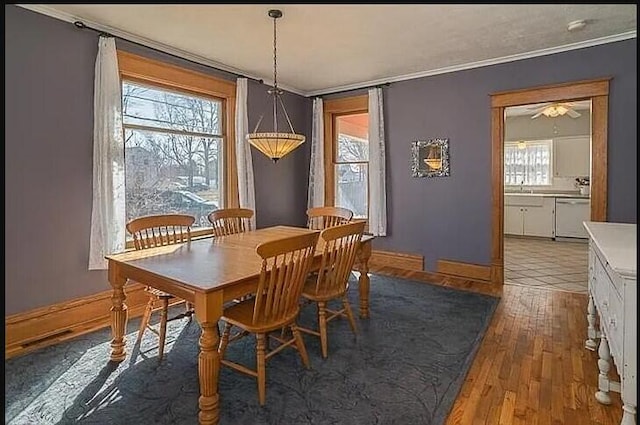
(600, 284)
(614, 325)
(616, 280)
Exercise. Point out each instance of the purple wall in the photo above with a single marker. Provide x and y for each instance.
(49, 66)
(282, 198)
(48, 156)
(450, 217)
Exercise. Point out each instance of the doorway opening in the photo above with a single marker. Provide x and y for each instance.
(547, 170)
(595, 91)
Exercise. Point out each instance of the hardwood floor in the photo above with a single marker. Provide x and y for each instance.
(532, 367)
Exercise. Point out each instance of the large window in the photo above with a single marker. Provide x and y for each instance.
(176, 146)
(173, 152)
(527, 163)
(352, 164)
(347, 154)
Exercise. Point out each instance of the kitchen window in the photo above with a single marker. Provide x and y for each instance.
(528, 163)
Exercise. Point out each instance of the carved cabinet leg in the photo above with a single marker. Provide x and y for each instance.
(592, 332)
(628, 414)
(604, 364)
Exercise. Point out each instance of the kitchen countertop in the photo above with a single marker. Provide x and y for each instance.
(549, 194)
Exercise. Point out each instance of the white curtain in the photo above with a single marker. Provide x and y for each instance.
(246, 189)
(527, 164)
(108, 208)
(316, 167)
(377, 186)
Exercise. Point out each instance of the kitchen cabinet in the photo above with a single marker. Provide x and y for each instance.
(572, 156)
(570, 214)
(529, 216)
(513, 220)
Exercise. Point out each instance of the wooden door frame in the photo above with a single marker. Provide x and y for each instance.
(598, 92)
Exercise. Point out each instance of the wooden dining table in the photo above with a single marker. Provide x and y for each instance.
(208, 273)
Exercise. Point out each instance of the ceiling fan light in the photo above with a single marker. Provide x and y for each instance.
(551, 112)
(555, 111)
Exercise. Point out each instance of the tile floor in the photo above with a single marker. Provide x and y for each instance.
(548, 264)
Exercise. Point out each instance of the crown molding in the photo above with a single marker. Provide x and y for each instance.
(45, 10)
(53, 13)
(479, 64)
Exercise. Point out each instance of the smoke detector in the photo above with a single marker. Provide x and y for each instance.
(576, 25)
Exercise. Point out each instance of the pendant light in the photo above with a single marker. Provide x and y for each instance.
(275, 144)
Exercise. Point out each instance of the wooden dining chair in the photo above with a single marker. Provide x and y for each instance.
(285, 266)
(320, 218)
(341, 244)
(228, 221)
(154, 231)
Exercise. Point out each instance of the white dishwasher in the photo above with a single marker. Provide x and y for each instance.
(570, 213)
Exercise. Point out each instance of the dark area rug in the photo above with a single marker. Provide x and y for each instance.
(405, 366)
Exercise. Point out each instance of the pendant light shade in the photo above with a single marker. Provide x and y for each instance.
(275, 144)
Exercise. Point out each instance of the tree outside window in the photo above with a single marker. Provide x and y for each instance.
(173, 152)
(352, 164)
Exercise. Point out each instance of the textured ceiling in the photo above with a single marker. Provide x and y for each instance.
(324, 48)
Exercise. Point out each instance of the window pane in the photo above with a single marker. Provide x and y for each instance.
(527, 163)
(353, 138)
(153, 107)
(352, 187)
(167, 173)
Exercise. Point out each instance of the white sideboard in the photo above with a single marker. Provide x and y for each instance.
(612, 296)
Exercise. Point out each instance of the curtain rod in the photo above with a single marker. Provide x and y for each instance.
(81, 25)
(359, 88)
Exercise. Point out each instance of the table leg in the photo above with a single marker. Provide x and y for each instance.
(208, 309)
(208, 371)
(119, 314)
(592, 332)
(363, 282)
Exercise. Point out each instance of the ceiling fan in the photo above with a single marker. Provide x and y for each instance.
(555, 109)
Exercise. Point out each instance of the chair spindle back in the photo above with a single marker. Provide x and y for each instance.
(338, 257)
(228, 221)
(320, 218)
(158, 230)
(286, 264)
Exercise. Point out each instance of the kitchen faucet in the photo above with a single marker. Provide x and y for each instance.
(522, 187)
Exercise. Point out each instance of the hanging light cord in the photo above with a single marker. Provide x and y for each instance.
(275, 91)
(275, 77)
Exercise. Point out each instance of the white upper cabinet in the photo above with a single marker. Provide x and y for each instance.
(572, 156)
